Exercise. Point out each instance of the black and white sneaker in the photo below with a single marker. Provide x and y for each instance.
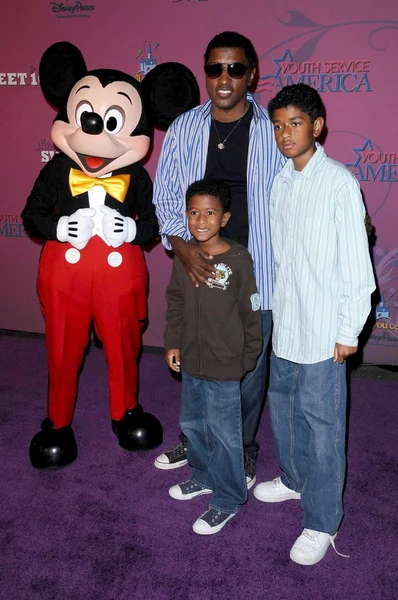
(188, 490)
(251, 471)
(172, 459)
(212, 521)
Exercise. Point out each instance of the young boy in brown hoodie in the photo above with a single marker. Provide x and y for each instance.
(213, 336)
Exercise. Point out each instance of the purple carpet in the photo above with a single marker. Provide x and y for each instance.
(104, 528)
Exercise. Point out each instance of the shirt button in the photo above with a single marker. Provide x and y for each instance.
(72, 256)
(115, 259)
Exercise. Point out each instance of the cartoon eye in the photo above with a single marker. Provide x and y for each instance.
(114, 120)
(83, 107)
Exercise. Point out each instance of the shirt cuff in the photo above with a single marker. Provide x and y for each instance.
(347, 339)
(171, 341)
(173, 228)
(249, 364)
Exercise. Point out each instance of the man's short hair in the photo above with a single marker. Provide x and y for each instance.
(210, 187)
(301, 96)
(231, 39)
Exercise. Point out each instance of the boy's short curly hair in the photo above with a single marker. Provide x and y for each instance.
(300, 95)
(210, 187)
(231, 39)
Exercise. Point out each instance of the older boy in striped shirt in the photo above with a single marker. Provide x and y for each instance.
(324, 280)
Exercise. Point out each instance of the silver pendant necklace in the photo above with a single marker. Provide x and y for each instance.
(221, 144)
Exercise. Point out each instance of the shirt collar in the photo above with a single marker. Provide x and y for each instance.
(315, 161)
(205, 109)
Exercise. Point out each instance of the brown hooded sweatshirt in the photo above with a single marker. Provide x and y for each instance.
(217, 328)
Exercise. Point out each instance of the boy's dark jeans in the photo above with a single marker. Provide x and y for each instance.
(211, 418)
(252, 393)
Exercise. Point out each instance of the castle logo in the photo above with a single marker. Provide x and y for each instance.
(382, 310)
(147, 59)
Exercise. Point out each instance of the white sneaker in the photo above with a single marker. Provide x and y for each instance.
(212, 521)
(173, 458)
(274, 491)
(311, 547)
(188, 490)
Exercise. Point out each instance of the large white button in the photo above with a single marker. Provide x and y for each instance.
(115, 259)
(72, 256)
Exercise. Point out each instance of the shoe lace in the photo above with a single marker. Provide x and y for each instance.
(250, 467)
(177, 450)
(189, 484)
(249, 461)
(212, 515)
(334, 548)
(313, 536)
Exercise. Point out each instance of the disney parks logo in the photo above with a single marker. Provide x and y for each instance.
(374, 165)
(73, 10)
(324, 76)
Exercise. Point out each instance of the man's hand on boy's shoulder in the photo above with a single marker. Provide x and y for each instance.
(193, 259)
(173, 359)
(342, 352)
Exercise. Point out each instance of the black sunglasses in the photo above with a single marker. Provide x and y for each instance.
(235, 70)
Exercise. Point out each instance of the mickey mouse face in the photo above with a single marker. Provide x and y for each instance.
(101, 120)
(102, 123)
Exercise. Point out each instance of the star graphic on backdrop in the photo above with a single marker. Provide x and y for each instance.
(359, 152)
(267, 81)
(279, 62)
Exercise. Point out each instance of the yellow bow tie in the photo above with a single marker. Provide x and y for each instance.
(115, 186)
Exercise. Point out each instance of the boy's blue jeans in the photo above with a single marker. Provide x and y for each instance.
(307, 404)
(211, 420)
(252, 392)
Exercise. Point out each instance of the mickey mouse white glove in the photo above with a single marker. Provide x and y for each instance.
(76, 229)
(116, 228)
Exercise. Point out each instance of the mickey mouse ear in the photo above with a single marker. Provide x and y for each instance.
(61, 66)
(171, 89)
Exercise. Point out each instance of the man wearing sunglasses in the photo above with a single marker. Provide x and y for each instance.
(230, 137)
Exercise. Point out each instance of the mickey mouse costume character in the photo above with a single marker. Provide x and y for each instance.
(92, 203)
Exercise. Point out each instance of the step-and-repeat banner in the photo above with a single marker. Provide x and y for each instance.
(346, 50)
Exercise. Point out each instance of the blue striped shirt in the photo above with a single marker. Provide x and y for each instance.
(183, 160)
(323, 273)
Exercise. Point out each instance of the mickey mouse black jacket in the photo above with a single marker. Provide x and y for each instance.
(51, 199)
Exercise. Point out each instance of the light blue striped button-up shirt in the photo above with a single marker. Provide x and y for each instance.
(323, 273)
(183, 160)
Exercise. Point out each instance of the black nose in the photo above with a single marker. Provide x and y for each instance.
(92, 123)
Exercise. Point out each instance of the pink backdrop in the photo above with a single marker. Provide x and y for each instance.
(347, 50)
